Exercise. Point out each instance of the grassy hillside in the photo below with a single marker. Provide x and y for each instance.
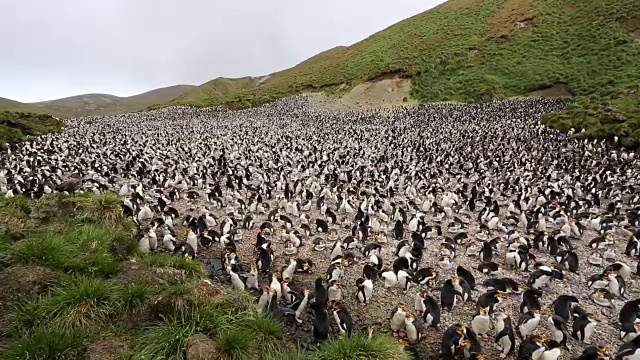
(217, 89)
(15, 127)
(478, 50)
(84, 293)
(97, 104)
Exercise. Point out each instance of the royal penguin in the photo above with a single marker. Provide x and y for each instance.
(398, 314)
(413, 328)
(448, 295)
(602, 297)
(287, 272)
(531, 348)
(583, 327)
(342, 317)
(490, 299)
(467, 276)
(530, 300)
(365, 290)
(452, 338)
(481, 323)
(558, 328)
(390, 278)
(617, 285)
(334, 291)
(419, 305)
(527, 323)
(629, 350)
(552, 351)
(505, 337)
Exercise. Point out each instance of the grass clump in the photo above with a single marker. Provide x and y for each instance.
(167, 340)
(83, 302)
(359, 346)
(191, 269)
(46, 343)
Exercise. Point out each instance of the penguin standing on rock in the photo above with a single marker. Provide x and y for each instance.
(452, 338)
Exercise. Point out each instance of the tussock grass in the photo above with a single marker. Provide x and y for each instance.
(167, 340)
(83, 302)
(46, 343)
(234, 344)
(16, 126)
(134, 296)
(360, 347)
(192, 269)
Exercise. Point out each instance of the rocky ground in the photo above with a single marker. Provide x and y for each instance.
(377, 312)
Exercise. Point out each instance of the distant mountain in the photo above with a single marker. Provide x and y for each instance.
(96, 104)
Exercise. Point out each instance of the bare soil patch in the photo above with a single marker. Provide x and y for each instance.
(553, 91)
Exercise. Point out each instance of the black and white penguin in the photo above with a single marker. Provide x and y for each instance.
(527, 323)
(467, 276)
(629, 350)
(365, 290)
(452, 338)
(398, 314)
(531, 348)
(431, 313)
(448, 295)
(481, 323)
(342, 317)
(320, 293)
(505, 337)
(530, 300)
(583, 327)
(558, 328)
(552, 351)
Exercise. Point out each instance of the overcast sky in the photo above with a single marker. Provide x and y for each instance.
(53, 49)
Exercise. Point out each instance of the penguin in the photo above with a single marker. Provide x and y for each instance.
(490, 299)
(398, 230)
(563, 305)
(390, 278)
(431, 314)
(467, 276)
(594, 353)
(583, 327)
(558, 328)
(551, 352)
(540, 278)
(531, 348)
(530, 300)
(452, 338)
(300, 304)
(404, 280)
(490, 268)
(629, 312)
(320, 321)
(287, 273)
(505, 338)
(617, 285)
(365, 290)
(527, 323)
(481, 323)
(448, 295)
(423, 275)
(505, 285)
(598, 281)
(263, 301)
(320, 293)
(629, 350)
(419, 301)
(397, 317)
(629, 331)
(413, 328)
(462, 288)
(342, 317)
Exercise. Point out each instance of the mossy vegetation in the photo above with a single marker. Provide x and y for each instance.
(16, 126)
(83, 290)
(480, 50)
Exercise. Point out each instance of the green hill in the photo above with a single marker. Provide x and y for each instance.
(15, 127)
(97, 104)
(479, 50)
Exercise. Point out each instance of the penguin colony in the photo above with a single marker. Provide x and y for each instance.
(467, 231)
